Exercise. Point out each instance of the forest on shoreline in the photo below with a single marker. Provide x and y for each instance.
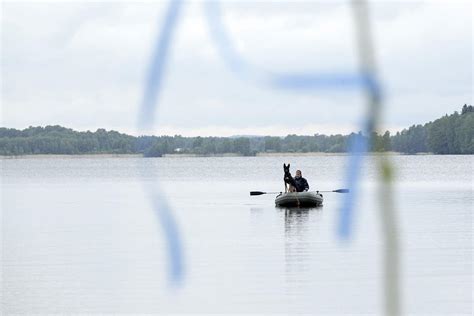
(450, 134)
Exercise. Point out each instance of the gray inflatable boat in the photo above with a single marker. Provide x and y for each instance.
(297, 199)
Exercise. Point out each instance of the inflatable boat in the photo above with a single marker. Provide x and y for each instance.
(297, 199)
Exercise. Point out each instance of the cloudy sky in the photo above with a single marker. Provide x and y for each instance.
(83, 65)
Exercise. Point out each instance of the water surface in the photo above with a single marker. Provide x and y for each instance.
(79, 235)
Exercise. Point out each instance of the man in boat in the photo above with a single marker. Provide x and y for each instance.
(300, 183)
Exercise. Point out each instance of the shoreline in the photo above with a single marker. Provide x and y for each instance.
(284, 154)
(42, 156)
(309, 154)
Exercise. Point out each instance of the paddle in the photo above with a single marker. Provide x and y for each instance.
(335, 191)
(260, 192)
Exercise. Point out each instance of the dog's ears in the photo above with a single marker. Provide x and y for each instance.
(284, 165)
(288, 165)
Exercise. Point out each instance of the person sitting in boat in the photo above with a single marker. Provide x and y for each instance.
(301, 183)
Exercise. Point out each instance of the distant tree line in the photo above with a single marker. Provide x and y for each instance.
(451, 134)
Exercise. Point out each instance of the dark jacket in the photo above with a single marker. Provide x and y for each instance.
(301, 184)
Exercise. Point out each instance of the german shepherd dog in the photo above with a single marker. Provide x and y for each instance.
(288, 179)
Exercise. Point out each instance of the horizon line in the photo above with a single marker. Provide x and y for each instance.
(245, 135)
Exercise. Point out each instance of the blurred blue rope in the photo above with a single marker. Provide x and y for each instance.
(358, 147)
(363, 79)
(294, 81)
(170, 228)
(157, 67)
(149, 104)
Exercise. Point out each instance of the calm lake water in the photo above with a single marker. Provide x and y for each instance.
(80, 235)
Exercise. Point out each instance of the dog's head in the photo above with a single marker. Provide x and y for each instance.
(286, 169)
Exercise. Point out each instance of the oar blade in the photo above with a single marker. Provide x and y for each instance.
(256, 192)
(341, 191)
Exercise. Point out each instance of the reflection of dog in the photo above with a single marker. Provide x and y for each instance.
(288, 179)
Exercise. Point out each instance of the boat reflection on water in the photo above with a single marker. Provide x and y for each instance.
(296, 218)
(298, 223)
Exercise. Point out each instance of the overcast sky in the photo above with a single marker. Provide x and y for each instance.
(83, 64)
